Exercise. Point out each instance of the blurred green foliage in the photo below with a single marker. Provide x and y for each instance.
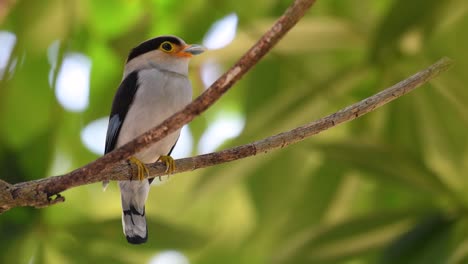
(386, 188)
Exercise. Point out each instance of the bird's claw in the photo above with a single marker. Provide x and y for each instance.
(141, 168)
(170, 165)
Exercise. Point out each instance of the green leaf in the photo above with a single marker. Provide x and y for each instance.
(278, 114)
(106, 73)
(386, 163)
(329, 243)
(162, 235)
(37, 155)
(402, 17)
(18, 228)
(108, 18)
(27, 102)
(38, 24)
(427, 242)
(442, 128)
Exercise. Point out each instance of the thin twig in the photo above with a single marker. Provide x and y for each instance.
(122, 171)
(19, 195)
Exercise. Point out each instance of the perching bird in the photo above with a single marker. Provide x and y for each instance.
(154, 87)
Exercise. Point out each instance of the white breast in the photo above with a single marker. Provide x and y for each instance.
(160, 94)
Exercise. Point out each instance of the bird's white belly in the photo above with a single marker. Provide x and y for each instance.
(168, 94)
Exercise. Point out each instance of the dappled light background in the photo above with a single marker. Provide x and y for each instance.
(389, 187)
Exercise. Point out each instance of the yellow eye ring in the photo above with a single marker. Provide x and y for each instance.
(167, 46)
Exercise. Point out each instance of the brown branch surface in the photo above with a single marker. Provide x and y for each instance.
(39, 193)
(30, 193)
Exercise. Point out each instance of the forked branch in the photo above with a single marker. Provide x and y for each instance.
(38, 193)
(44, 192)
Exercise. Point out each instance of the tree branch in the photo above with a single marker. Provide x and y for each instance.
(122, 171)
(39, 194)
(31, 193)
(291, 16)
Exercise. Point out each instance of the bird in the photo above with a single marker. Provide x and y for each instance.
(155, 85)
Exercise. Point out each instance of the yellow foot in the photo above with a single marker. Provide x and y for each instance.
(170, 164)
(141, 168)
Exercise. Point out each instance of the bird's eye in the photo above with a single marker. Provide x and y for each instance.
(167, 46)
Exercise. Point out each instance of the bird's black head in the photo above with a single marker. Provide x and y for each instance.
(153, 44)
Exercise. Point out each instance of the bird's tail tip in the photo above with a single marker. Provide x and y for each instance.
(136, 239)
(134, 225)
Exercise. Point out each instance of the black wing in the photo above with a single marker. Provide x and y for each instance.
(122, 101)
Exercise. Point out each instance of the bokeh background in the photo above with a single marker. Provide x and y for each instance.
(389, 187)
